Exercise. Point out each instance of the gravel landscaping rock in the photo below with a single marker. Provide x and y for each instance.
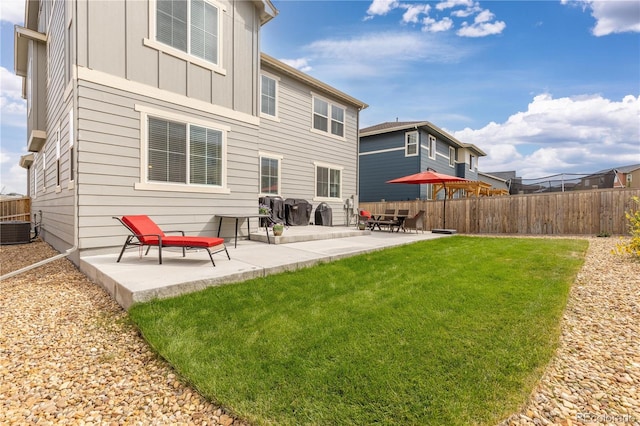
(68, 354)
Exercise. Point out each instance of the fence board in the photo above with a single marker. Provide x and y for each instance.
(15, 209)
(560, 213)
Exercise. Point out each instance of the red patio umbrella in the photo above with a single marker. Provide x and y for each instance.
(430, 176)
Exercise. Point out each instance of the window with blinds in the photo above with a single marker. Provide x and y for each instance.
(184, 153)
(191, 26)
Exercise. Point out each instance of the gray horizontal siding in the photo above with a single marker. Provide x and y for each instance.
(292, 138)
(109, 166)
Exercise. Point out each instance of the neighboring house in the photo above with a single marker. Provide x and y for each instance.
(499, 185)
(169, 109)
(628, 176)
(394, 149)
(617, 177)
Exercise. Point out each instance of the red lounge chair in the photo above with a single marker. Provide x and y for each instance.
(147, 233)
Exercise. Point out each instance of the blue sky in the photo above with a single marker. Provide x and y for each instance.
(543, 87)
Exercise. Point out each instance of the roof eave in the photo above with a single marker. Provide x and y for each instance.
(267, 10)
(314, 83)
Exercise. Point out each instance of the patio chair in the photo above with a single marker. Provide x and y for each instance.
(145, 232)
(400, 218)
(416, 222)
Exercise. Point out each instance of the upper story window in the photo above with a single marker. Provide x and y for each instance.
(328, 117)
(268, 96)
(187, 29)
(190, 26)
(452, 156)
(473, 162)
(411, 144)
(432, 147)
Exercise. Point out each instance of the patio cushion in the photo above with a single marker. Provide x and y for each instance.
(146, 229)
(180, 241)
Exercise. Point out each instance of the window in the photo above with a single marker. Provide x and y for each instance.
(189, 26)
(184, 153)
(71, 151)
(411, 144)
(268, 90)
(58, 157)
(44, 171)
(269, 175)
(452, 156)
(472, 162)
(328, 182)
(432, 147)
(327, 117)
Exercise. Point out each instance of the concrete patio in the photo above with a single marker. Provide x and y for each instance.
(139, 278)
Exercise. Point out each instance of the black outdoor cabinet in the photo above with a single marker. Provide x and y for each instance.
(324, 216)
(297, 212)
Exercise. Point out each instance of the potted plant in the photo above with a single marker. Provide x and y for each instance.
(277, 229)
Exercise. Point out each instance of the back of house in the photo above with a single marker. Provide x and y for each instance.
(169, 109)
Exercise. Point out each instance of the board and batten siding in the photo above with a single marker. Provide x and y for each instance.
(109, 132)
(111, 37)
(291, 137)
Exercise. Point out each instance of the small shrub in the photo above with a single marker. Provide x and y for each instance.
(632, 247)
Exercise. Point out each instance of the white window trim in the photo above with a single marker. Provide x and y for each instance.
(473, 167)
(145, 184)
(58, 165)
(452, 155)
(262, 155)
(315, 181)
(165, 48)
(406, 144)
(328, 132)
(277, 80)
(432, 141)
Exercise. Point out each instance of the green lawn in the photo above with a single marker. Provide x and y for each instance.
(444, 332)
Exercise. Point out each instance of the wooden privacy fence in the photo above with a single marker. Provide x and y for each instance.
(559, 213)
(15, 209)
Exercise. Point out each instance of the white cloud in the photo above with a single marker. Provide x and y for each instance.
(381, 7)
(432, 26)
(301, 64)
(571, 135)
(482, 26)
(13, 108)
(12, 11)
(419, 13)
(612, 16)
(414, 11)
(381, 53)
(449, 4)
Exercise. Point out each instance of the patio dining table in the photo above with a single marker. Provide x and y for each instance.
(248, 217)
